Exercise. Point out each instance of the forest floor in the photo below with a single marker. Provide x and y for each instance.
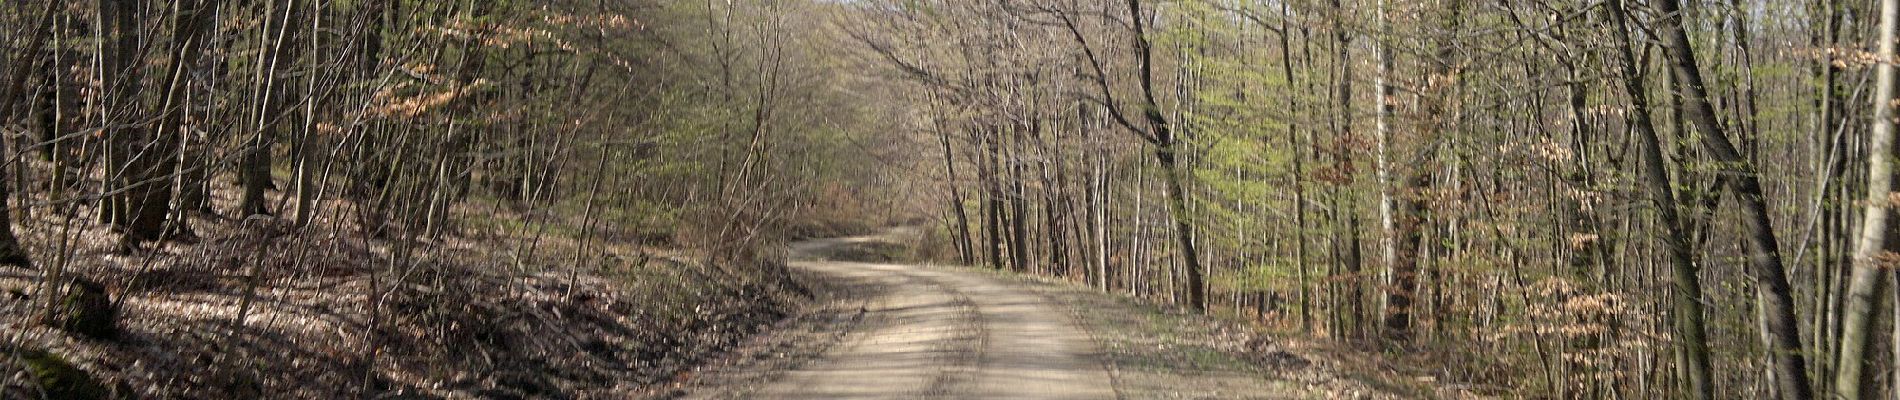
(889, 330)
(508, 306)
(505, 305)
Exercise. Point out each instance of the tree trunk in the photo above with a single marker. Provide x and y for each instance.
(1872, 252)
(1161, 135)
(119, 77)
(1437, 97)
(1689, 328)
(1018, 204)
(962, 230)
(1410, 230)
(993, 205)
(148, 155)
(1299, 174)
(11, 253)
(1354, 282)
(1382, 130)
(1745, 180)
(281, 32)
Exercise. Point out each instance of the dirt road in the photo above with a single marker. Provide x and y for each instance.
(927, 333)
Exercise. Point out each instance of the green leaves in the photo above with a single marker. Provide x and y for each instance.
(1269, 275)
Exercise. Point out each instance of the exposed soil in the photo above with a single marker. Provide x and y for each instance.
(899, 331)
(922, 333)
(327, 313)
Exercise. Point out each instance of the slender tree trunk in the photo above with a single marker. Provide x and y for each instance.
(1099, 174)
(993, 204)
(1019, 258)
(120, 79)
(1299, 172)
(1873, 251)
(1400, 298)
(962, 230)
(1765, 255)
(11, 253)
(152, 159)
(1689, 329)
(1437, 97)
(1382, 128)
(1353, 293)
(1829, 167)
(281, 32)
(1162, 137)
(195, 158)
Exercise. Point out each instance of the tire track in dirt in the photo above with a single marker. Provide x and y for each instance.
(938, 333)
(911, 343)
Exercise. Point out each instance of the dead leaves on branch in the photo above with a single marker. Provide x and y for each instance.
(425, 102)
(1592, 331)
(1847, 58)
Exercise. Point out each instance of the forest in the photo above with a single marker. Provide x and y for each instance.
(354, 198)
(610, 198)
(1563, 199)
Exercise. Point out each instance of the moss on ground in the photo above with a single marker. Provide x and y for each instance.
(85, 309)
(58, 379)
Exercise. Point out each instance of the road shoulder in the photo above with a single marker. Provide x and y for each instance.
(1149, 352)
(1154, 353)
(794, 341)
